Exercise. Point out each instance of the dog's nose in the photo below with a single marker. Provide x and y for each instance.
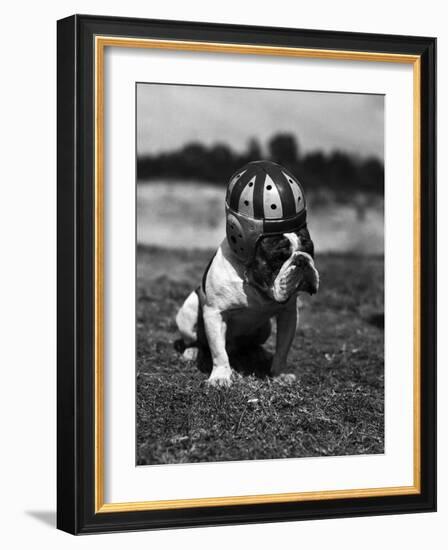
(300, 260)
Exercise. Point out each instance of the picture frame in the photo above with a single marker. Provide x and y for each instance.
(82, 41)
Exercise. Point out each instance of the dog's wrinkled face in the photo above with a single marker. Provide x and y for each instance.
(284, 265)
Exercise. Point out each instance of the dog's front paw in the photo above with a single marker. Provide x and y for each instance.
(287, 377)
(220, 377)
(280, 376)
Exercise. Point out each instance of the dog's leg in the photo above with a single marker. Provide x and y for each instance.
(187, 323)
(286, 330)
(215, 329)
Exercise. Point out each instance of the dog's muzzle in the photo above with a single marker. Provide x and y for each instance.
(297, 274)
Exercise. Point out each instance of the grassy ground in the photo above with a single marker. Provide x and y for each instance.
(336, 406)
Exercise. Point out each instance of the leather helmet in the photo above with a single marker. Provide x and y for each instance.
(263, 199)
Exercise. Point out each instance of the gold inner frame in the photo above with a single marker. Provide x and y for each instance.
(101, 42)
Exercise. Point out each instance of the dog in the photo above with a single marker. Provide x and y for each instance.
(234, 306)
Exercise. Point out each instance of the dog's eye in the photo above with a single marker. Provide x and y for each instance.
(276, 250)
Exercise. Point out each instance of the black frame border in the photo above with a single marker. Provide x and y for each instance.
(76, 262)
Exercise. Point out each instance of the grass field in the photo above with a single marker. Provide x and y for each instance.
(336, 406)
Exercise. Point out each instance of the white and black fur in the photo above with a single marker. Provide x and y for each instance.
(236, 303)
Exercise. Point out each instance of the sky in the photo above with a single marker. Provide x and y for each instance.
(170, 116)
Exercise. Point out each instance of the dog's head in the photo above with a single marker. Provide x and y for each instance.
(284, 265)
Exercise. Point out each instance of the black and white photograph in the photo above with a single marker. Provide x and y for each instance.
(220, 304)
(246, 320)
(260, 274)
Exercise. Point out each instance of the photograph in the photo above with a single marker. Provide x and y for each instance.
(259, 274)
(246, 264)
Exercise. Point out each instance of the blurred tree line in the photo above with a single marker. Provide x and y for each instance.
(342, 176)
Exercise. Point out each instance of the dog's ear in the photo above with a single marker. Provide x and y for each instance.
(306, 243)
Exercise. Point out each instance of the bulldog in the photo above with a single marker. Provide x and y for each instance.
(236, 302)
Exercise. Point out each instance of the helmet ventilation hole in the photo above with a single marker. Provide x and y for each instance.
(246, 203)
(251, 183)
(273, 206)
(290, 180)
(299, 199)
(268, 187)
(232, 238)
